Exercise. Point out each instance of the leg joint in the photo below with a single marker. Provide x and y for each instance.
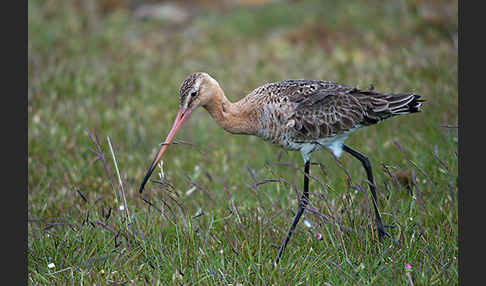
(366, 161)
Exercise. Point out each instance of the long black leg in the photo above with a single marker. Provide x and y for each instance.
(367, 166)
(304, 200)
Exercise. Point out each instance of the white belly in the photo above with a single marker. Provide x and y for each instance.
(335, 144)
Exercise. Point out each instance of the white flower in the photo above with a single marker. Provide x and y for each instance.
(307, 223)
(122, 207)
(51, 265)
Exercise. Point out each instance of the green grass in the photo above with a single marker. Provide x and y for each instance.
(119, 77)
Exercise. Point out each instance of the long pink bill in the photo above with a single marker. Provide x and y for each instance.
(182, 116)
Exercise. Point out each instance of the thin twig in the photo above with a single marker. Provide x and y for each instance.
(449, 126)
(252, 174)
(62, 270)
(101, 156)
(119, 181)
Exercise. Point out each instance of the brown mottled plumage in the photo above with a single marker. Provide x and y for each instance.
(300, 115)
(303, 115)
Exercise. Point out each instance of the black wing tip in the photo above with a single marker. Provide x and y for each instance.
(417, 96)
(416, 104)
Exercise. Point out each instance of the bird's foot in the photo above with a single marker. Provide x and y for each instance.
(382, 232)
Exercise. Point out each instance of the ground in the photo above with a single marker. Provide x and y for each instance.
(99, 73)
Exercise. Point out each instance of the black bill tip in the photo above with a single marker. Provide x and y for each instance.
(145, 180)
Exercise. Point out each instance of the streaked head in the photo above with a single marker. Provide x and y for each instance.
(196, 90)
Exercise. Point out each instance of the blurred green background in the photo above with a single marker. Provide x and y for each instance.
(115, 67)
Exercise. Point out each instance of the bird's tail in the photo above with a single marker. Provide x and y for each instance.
(382, 106)
(404, 103)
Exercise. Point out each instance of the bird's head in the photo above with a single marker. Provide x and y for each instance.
(196, 90)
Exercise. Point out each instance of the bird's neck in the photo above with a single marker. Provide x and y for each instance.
(233, 117)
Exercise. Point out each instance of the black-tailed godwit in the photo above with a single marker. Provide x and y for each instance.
(301, 115)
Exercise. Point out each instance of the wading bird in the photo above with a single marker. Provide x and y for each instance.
(302, 115)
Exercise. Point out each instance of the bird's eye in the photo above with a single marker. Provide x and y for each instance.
(194, 93)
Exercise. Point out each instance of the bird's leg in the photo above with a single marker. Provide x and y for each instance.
(304, 200)
(367, 166)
